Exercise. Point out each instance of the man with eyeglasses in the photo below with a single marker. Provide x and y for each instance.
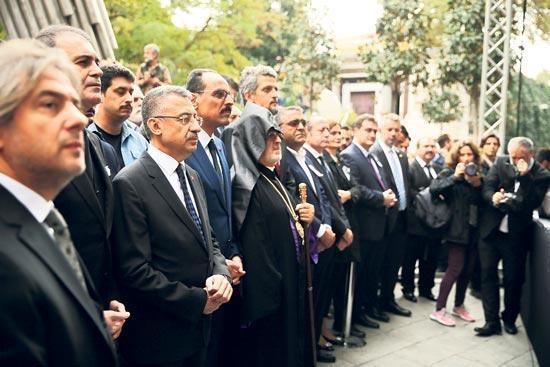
(170, 267)
(212, 98)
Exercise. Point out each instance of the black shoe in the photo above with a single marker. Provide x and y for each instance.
(376, 314)
(339, 341)
(394, 308)
(409, 296)
(325, 357)
(428, 295)
(488, 330)
(363, 320)
(510, 328)
(357, 333)
(327, 347)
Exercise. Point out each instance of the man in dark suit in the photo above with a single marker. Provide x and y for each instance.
(514, 187)
(300, 167)
(376, 214)
(49, 315)
(424, 243)
(86, 202)
(397, 176)
(171, 271)
(213, 101)
(316, 142)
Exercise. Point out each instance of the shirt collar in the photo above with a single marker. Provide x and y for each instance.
(34, 202)
(421, 162)
(166, 163)
(300, 154)
(310, 149)
(363, 150)
(204, 139)
(386, 147)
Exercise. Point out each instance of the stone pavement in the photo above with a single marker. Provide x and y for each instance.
(418, 341)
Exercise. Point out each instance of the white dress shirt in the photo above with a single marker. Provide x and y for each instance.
(301, 158)
(31, 200)
(429, 171)
(168, 167)
(205, 139)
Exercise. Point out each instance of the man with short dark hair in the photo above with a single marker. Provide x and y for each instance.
(513, 188)
(489, 145)
(445, 145)
(423, 244)
(110, 121)
(213, 101)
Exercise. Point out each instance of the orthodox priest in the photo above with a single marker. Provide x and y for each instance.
(270, 233)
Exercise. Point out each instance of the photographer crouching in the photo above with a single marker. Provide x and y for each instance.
(460, 188)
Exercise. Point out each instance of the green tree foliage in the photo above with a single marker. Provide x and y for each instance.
(3, 34)
(400, 50)
(442, 106)
(534, 112)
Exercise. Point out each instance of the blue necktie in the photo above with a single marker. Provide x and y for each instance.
(398, 177)
(188, 202)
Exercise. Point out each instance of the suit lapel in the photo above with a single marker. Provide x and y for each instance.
(102, 173)
(33, 235)
(163, 187)
(386, 168)
(209, 173)
(226, 176)
(200, 203)
(293, 163)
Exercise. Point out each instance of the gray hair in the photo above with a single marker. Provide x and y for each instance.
(523, 142)
(49, 34)
(22, 64)
(152, 102)
(390, 117)
(314, 120)
(152, 46)
(282, 110)
(249, 77)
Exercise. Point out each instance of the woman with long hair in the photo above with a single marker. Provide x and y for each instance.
(460, 186)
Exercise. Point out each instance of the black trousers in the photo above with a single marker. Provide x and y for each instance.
(197, 359)
(225, 345)
(512, 249)
(368, 275)
(393, 258)
(322, 287)
(426, 251)
(340, 293)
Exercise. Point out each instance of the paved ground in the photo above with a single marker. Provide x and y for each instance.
(418, 341)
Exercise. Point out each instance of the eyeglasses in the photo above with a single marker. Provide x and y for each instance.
(184, 118)
(296, 122)
(217, 93)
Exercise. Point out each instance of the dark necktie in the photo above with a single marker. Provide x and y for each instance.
(373, 163)
(214, 153)
(327, 172)
(62, 237)
(429, 171)
(188, 201)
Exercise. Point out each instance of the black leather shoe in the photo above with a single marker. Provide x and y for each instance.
(428, 295)
(357, 333)
(363, 320)
(510, 328)
(336, 341)
(325, 357)
(409, 296)
(327, 347)
(488, 330)
(394, 308)
(378, 315)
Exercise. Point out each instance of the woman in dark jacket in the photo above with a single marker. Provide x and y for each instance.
(461, 189)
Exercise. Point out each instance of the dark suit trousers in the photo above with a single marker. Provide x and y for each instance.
(425, 250)
(393, 258)
(512, 249)
(225, 336)
(368, 275)
(339, 293)
(322, 275)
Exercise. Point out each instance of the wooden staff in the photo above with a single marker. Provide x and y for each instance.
(302, 188)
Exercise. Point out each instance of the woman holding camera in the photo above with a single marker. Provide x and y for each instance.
(461, 189)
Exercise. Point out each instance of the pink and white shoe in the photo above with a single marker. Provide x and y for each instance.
(441, 317)
(463, 314)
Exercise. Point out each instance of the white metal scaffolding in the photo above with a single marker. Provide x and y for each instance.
(495, 68)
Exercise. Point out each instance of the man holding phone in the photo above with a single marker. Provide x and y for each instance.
(513, 188)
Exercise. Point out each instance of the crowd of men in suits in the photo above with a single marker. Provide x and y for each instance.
(188, 240)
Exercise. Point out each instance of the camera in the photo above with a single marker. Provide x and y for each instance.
(470, 169)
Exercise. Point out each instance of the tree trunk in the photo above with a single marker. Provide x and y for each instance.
(473, 112)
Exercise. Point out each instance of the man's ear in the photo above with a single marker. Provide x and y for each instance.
(249, 96)
(194, 100)
(154, 126)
